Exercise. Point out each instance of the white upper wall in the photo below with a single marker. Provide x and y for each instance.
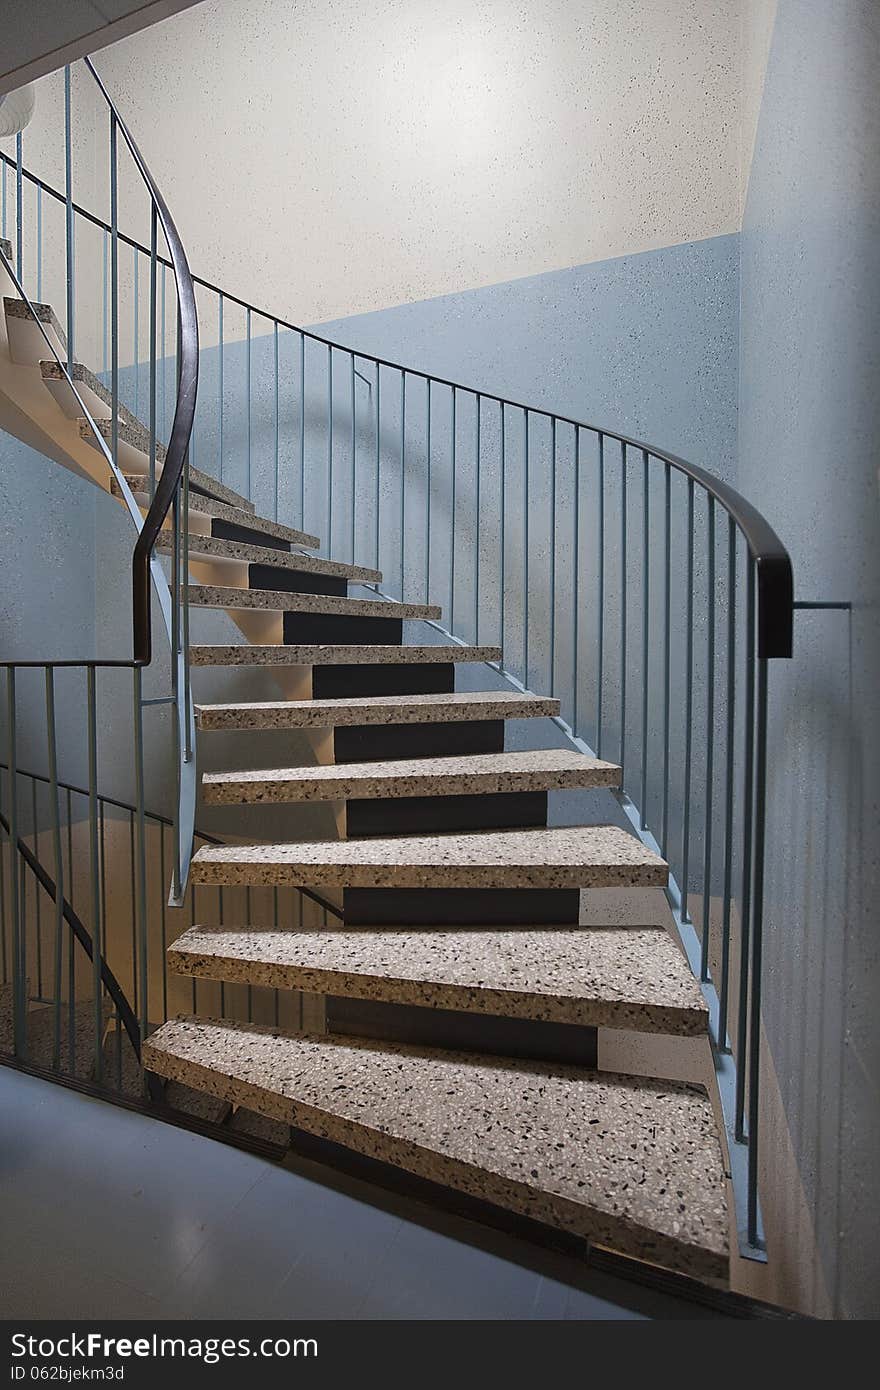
(329, 159)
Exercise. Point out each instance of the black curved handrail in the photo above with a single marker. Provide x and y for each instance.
(185, 405)
(124, 1010)
(773, 569)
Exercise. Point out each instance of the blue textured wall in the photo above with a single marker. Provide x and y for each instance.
(646, 344)
(809, 425)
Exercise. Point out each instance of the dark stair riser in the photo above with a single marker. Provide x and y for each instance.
(461, 907)
(428, 815)
(229, 531)
(376, 742)
(416, 678)
(534, 1039)
(317, 629)
(295, 581)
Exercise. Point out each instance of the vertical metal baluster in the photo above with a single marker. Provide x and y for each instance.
(402, 484)
(220, 382)
(3, 196)
(757, 946)
(553, 555)
(68, 223)
(187, 741)
(175, 680)
(19, 208)
(576, 581)
(114, 293)
(71, 958)
(353, 455)
(477, 490)
(302, 431)
(153, 286)
(40, 243)
(723, 1000)
(428, 497)
(136, 331)
(37, 912)
(164, 363)
(646, 599)
(667, 645)
(141, 876)
(277, 423)
(748, 826)
(378, 458)
(19, 948)
(163, 930)
(600, 598)
(4, 978)
(452, 500)
(329, 540)
(94, 868)
(710, 742)
(688, 704)
(248, 369)
(59, 859)
(623, 597)
(526, 496)
(503, 565)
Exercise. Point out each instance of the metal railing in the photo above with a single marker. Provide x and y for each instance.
(168, 489)
(643, 591)
(83, 973)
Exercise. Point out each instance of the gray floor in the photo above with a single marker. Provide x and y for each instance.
(109, 1213)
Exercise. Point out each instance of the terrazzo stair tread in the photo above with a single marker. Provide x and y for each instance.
(203, 487)
(15, 308)
(625, 1162)
(213, 548)
(543, 769)
(211, 507)
(630, 978)
(376, 709)
(281, 654)
(224, 596)
(596, 856)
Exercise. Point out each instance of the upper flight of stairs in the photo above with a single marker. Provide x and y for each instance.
(458, 1004)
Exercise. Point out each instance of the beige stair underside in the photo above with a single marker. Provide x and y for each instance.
(629, 978)
(548, 769)
(597, 856)
(376, 709)
(624, 1162)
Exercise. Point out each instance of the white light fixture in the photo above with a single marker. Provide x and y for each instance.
(16, 109)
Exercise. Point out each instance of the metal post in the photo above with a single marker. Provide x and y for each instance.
(724, 995)
(688, 703)
(68, 223)
(710, 744)
(748, 828)
(19, 946)
(757, 946)
(142, 1004)
(114, 292)
(600, 597)
(667, 656)
(526, 505)
(94, 871)
(58, 858)
(477, 489)
(153, 286)
(220, 383)
(402, 484)
(623, 589)
(329, 539)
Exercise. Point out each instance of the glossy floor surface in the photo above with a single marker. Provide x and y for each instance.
(106, 1212)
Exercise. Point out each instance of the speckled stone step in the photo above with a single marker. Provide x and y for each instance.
(236, 516)
(627, 1163)
(634, 978)
(536, 770)
(213, 549)
(224, 596)
(594, 856)
(377, 709)
(335, 654)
